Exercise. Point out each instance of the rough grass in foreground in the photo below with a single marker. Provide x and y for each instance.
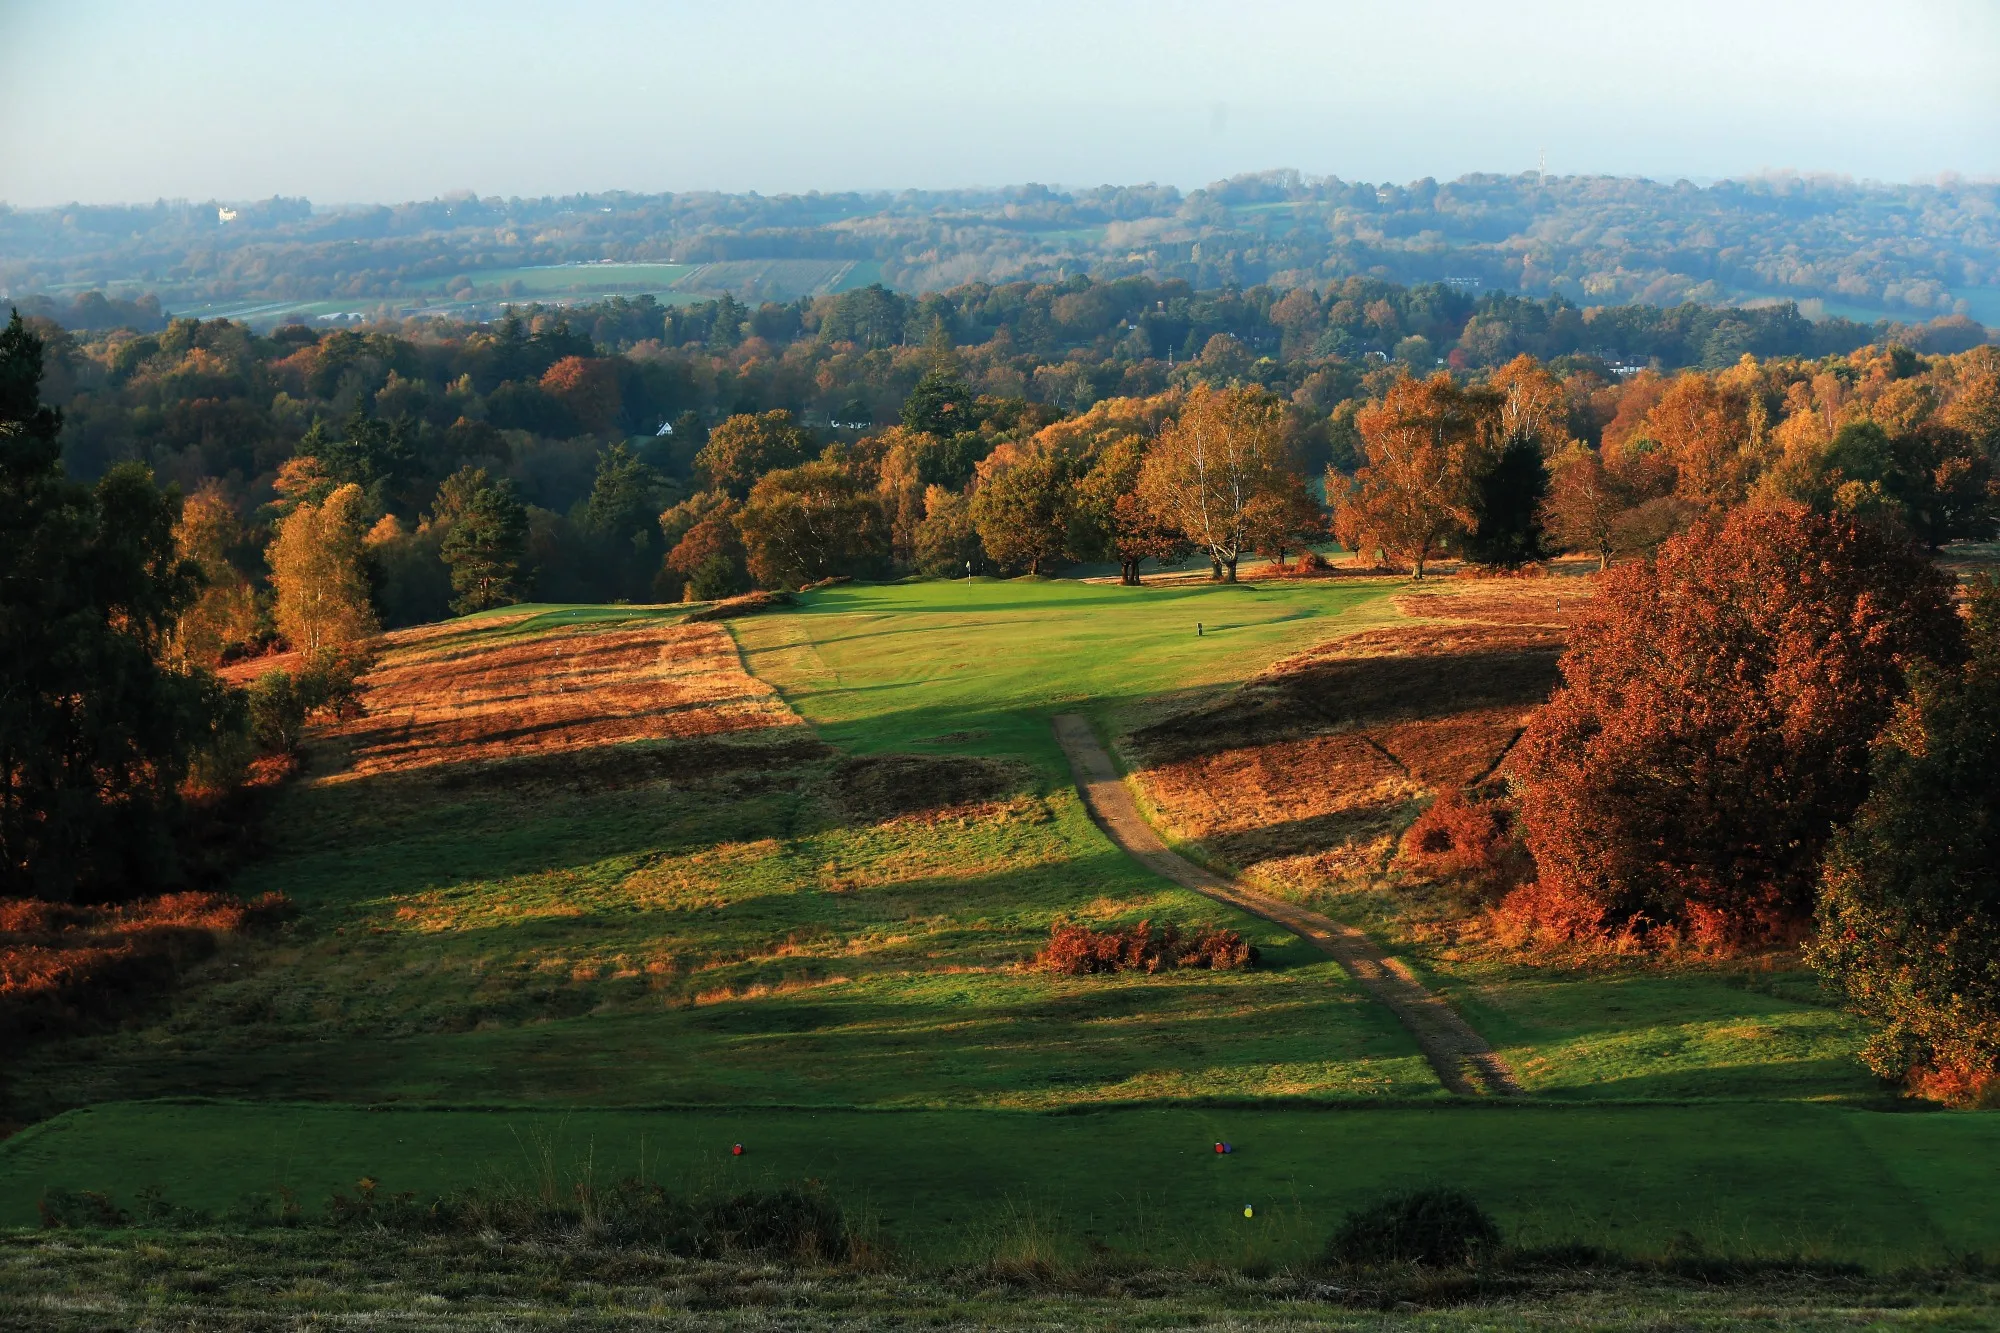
(288, 1279)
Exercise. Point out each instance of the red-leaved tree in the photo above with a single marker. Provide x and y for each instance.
(1713, 724)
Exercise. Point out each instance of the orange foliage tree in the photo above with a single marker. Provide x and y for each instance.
(1425, 444)
(225, 613)
(1714, 720)
(588, 387)
(1204, 475)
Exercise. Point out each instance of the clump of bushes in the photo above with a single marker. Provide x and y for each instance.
(282, 702)
(1471, 841)
(1436, 1226)
(1076, 950)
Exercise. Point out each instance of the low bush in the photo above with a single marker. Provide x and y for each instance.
(1075, 950)
(281, 702)
(1467, 840)
(1437, 1227)
(79, 1210)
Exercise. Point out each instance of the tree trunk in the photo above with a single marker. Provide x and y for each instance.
(1128, 573)
(1603, 558)
(1229, 566)
(1214, 569)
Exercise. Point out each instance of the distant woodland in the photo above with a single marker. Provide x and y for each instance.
(600, 437)
(1905, 251)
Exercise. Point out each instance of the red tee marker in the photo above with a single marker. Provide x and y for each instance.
(737, 1151)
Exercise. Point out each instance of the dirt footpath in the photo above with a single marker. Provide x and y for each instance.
(1464, 1062)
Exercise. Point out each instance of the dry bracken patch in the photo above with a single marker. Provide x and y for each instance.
(1311, 768)
(443, 696)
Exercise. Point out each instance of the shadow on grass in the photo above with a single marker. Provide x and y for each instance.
(1334, 693)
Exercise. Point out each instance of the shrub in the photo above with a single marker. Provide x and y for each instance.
(79, 1210)
(1075, 950)
(792, 1223)
(1462, 839)
(282, 703)
(1714, 719)
(277, 712)
(1432, 1226)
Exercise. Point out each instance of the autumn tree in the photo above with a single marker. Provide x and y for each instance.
(748, 445)
(1284, 516)
(709, 557)
(1204, 474)
(812, 522)
(225, 613)
(588, 388)
(1713, 723)
(1909, 914)
(1108, 519)
(1022, 510)
(946, 544)
(1426, 445)
(1138, 534)
(1703, 431)
(320, 579)
(1583, 505)
(96, 733)
(486, 543)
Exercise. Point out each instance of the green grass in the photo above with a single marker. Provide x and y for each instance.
(1748, 1180)
(988, 663)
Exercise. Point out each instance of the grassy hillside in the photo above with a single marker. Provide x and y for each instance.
(583, 859)
(579, 868)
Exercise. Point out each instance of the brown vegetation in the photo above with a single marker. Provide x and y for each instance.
(62, 964)
(1076, 951)
(452, 694)
(1715, 718)
(1466, 840)
(1325, 755)
(876, 788)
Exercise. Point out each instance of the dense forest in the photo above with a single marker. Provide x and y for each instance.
(1907, 251)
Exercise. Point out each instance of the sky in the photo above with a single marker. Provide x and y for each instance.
(365, 101)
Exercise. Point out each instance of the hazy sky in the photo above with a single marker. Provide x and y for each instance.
(363, 100)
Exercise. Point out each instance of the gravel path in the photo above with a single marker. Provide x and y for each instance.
(1464, 1062)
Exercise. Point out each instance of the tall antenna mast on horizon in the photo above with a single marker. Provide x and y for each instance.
(1542, 167)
